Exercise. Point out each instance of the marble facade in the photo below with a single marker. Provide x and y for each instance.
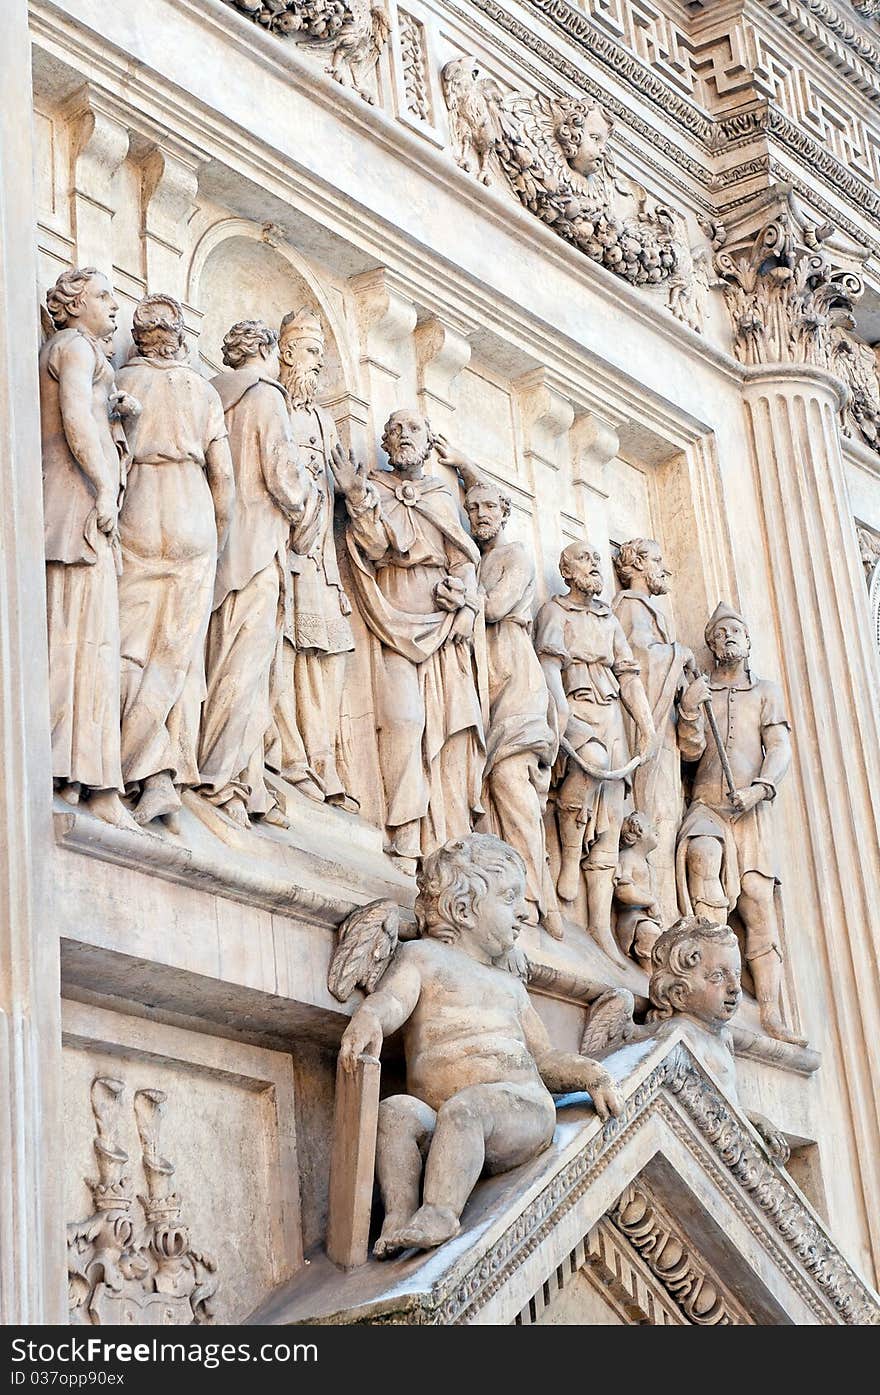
(624, 262)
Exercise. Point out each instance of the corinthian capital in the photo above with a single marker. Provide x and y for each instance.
(786, 280)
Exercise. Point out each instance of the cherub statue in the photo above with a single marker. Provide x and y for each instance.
(695, 985)
(637, 923)
(479, 1063)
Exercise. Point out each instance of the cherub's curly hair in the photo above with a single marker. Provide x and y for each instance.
(630, 556)
(465, 866)
(245, 339)
(569, 116)
(678, 950)
(432, 439)
(65, 297)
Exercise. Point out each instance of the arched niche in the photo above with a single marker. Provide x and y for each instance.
(237, 275)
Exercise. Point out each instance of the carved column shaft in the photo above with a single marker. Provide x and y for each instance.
(31, 1220)
(818, 586)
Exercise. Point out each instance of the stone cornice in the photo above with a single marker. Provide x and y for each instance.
(713, 135)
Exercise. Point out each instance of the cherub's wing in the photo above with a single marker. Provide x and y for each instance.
(609, 1023)
(367, 941)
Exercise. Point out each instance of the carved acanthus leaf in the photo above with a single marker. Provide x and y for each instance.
(785, 290)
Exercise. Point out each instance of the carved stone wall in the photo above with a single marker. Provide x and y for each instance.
(643, 337)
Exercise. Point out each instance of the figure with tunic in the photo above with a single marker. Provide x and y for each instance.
(725, 860)
(666, 669)
(414, 572)
(174, 519)
(84, 458)
(593, 680)
(317, 633)
(521, 737)
(250, 591)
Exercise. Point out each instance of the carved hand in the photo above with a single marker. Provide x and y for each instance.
(450, 593)
(121, 404)
(362, 1037)
(747, 799)
(462, 631)
(107, 512)
(605, 1094)
(456, 460)
(349, 473)
(695, 695)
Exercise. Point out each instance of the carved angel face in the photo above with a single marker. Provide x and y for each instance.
(491, 922)
(583, 137)
(713, 989)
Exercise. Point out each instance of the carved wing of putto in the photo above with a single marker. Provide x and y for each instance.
(367, 941)
(473, 105)
(609, 1024)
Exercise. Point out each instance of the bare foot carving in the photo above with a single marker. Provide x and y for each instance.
(430, 1226)
(158, 799)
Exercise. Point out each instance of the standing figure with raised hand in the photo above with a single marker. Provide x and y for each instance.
(84, 456)
(250, 592)
(174, 521)
(725, 859)
(317, 633)
(414, 574)
(593, 679)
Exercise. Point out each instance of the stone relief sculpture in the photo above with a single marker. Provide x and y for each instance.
(553, 154)
(638, 918)
(480, 1066)
(665, 667)
(725, 859)
(317, 633)
(84, 463)
(118, 1272)
(174, 520)
(354, 31)
(521, 737)
(593, 679)
(857, 364)
(250, 593)
(415, 581)
(695, 985)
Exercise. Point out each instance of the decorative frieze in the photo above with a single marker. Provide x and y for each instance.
(352, 33)
(414, 60)
(553, 155)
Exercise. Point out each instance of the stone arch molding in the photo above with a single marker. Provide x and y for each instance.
(235, 235)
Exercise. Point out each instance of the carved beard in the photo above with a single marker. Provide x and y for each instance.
(408, 456)
(729, 653)
(657, 586)
(301, 383)
(485, 532)
(589, 585)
